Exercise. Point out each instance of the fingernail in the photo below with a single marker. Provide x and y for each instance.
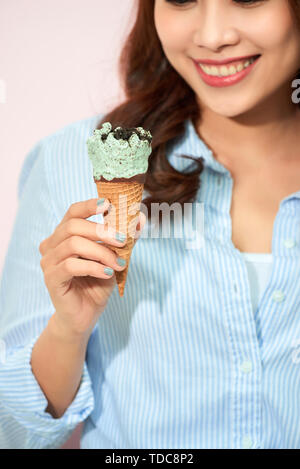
(121, 262)
(100, 202)
(108, 271)
(120, 237)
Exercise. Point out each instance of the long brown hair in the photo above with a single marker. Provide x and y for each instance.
(158, 99)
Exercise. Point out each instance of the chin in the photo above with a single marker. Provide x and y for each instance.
(230, 113)
(228, 109)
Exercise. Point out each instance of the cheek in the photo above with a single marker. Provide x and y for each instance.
(171, 33)
(274, 28)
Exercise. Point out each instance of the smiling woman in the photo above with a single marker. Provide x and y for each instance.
(165, 83)
(226, 67)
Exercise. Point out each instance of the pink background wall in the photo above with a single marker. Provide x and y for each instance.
(58, 63)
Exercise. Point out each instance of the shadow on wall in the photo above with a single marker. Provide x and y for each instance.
(74, 440)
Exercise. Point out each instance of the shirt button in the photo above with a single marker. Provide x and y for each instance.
(278, 296)
(247, 442)
(289, 243)
(246, 367)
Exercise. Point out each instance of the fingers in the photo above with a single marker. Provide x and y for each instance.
(69, 259)
(64, 272)
(80, 227)
(78, 210)
(77, 246)
(84, 209)
(86, 229)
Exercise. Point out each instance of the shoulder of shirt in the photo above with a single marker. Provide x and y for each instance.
(82, 127)
(69, 138)
(79, 129)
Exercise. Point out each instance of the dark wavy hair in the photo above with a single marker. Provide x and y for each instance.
(159, 99)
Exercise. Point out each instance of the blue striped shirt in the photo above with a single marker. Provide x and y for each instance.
(182, 360)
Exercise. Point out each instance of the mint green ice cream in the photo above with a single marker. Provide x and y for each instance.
(119, 153)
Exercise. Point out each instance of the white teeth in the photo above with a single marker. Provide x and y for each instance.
(225, 71)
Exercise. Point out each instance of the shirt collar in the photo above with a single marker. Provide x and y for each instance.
(191, 144)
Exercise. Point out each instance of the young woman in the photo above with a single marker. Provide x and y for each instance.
(203, 350)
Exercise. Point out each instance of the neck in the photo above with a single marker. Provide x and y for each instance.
(262, 136)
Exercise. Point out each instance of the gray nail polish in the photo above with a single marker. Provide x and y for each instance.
(108, 271)
(120, 237)
(121, 262)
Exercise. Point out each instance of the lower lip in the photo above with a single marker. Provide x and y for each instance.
(225, 81)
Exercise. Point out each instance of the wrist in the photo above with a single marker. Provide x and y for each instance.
(61, 332)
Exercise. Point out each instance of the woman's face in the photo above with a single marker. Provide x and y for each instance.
(220, 29)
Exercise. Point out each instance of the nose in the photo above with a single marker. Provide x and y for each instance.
(214, 29)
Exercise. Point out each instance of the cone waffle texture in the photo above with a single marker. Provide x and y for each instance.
(123, 217)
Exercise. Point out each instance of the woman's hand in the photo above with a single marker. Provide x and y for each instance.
(73, 264)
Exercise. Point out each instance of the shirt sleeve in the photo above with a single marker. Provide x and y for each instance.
(25, 309)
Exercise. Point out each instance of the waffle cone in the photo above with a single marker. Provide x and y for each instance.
(125, 198)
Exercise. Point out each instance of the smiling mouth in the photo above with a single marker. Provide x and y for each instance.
(229, 69)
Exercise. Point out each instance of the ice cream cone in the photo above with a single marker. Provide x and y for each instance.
(120, 162)
(125, 198)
